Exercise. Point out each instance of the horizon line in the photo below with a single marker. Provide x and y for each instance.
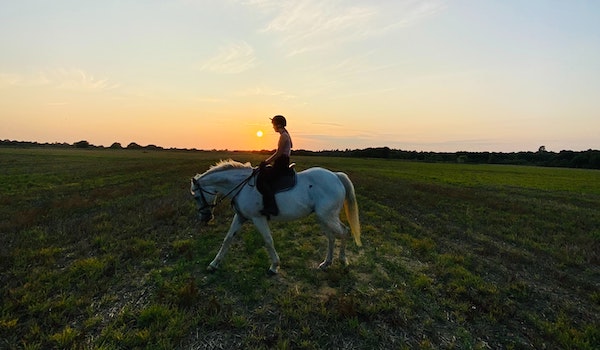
(158, 147)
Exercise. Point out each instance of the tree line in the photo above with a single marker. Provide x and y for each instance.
(78, 144)
(589, 159)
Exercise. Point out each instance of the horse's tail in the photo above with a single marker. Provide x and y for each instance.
(351, 207)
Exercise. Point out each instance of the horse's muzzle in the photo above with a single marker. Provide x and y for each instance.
(206, 216)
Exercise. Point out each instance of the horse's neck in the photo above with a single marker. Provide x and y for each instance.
(227, 179)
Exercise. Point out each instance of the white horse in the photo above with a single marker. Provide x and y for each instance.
(317, 190)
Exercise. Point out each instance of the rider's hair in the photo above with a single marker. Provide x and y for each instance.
(279, 120)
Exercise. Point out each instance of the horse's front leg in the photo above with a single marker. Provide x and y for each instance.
(263, 227)
(234, 228)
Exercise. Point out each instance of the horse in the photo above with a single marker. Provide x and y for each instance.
(317, 190)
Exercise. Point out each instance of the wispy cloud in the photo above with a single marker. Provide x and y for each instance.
(306, 26)
(322, 141)
(80, 79)
(206, 99)
(407, 13)
(311, 25)
(329, 124)
(23, 80)
(265, 91)
(231, 59)
(70, 79)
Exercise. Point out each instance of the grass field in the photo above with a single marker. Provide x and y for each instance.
(101, 249)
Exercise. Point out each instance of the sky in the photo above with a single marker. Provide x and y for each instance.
(427, 75)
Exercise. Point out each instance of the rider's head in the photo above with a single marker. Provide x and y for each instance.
(279, 121)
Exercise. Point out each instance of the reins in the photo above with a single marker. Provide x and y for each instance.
(238, 187)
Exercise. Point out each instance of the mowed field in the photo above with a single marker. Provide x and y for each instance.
(102, 249)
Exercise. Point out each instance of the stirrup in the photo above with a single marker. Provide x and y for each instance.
(267, 213)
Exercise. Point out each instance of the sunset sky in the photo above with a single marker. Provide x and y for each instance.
(454, 75)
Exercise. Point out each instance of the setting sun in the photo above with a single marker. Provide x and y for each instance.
(259, 133)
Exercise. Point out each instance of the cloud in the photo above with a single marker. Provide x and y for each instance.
(306, 26)
(329, 124)
(409, 13)
(312, 25)
(78, 79)
(328, 141)
(22, 80)
(265, 91)
(70, 79)
(206, 99)
(358, 140)
(231, 59)
(307, 19)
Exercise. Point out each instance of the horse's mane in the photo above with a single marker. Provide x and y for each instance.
(223, 165)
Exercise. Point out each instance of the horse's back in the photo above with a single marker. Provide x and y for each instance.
(324, 180)
(316, 171)
(317, 174)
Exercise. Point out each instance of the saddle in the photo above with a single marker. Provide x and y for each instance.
(284, 182)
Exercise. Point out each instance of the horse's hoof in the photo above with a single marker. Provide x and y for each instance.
(324, 265)
(271, 272)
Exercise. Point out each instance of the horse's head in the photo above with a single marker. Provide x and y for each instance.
(205, 200)
(215, 181)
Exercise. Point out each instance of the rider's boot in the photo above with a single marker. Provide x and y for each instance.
(270, 207)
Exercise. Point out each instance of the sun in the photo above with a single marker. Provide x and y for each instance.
(259, 133)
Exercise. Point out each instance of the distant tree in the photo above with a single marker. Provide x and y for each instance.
(134, 145)
(594, 161)
(542, 149)
(153, 147)
(81, 144)
(116, 145)
(579, 161)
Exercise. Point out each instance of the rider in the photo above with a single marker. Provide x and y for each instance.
(280, 160)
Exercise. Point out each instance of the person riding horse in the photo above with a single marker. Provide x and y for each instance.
(280, 161)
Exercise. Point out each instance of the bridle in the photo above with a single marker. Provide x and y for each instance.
(202, 191)
(206, 205)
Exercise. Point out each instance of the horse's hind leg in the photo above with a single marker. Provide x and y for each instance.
(343, 239)
(330, 244)
(342, 232)
(332, 228)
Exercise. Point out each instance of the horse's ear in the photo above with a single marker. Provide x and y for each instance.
(192, 183)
